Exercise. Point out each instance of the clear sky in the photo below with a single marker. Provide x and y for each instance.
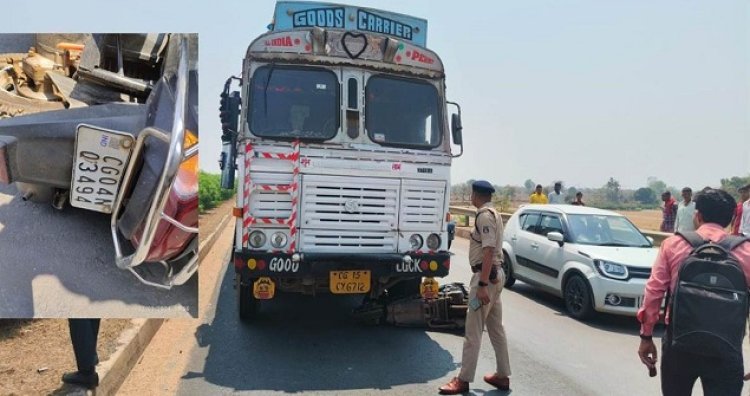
(571, 90)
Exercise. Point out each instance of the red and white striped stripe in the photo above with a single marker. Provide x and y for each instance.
(292, 189)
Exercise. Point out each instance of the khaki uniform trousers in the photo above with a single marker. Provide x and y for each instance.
(491, 317)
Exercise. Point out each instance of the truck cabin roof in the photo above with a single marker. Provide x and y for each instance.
(345, 47)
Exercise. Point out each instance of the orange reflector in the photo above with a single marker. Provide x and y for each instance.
(190, 139)
(237, 212)
(447, 216)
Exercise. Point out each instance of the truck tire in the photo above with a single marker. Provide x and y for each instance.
(247, 305)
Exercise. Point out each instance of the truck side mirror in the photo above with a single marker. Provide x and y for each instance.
(456, 129)
(229, 113)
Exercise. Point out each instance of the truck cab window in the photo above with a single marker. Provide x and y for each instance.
(402, 112)
(294, 102)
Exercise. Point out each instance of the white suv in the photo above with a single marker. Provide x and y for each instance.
(597, 260)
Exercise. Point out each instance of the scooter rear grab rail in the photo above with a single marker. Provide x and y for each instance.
(175, 156)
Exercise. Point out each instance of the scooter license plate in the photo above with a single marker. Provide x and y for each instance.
(101, 157)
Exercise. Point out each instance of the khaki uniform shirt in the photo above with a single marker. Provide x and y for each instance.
(488, 232)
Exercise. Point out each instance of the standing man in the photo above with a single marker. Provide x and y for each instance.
(83, 334)
(579, 200)
(556, 197)
(486, 284)
(745, 219)
(744, 196)
(679, 367)
(685, 211)
(538, 197)
(668, 212)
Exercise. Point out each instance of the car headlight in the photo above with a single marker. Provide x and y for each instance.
(611, 270)
(278, 240)
(433, 241)
(257, 239)
(416, 241)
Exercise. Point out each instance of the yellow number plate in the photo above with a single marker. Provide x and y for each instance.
(350, 282)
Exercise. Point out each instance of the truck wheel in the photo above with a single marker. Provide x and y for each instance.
(405, 288)
(577, 294)
(246, 303)
(509, 279)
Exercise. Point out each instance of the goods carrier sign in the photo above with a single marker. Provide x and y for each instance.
(295, 14)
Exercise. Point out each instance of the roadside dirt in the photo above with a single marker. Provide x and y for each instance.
(34, 354)
(155, 375)
(208, 221)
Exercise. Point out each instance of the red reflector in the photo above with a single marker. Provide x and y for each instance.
(423, 265)
(261, 264)
(447, 216)
(237, 212)
(238, 262)
(447, 264)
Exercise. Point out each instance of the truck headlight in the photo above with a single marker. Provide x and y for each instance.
(416, 241)
(433, 241)
(611, 270)
(278, 240)
(257, 239)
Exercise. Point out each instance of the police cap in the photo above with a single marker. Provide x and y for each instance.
(482, 187)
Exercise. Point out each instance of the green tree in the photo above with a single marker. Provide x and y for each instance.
(645, 195)
(731, 185)
(656, 185)
(613, 190)
(529, 185)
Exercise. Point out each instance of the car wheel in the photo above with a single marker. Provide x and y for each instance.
(247, 305)
(578, 297)
(509, 279)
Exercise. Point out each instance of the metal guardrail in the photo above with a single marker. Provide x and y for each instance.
(460, 210)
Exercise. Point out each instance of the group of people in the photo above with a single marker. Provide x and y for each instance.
(555, 197)
(700, 231)
(678, 216)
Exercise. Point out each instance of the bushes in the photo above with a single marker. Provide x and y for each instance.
(210, 192)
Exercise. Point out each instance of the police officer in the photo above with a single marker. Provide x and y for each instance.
(485, 308)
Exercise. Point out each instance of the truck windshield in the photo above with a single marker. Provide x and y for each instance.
(402, 112)
(294, 102)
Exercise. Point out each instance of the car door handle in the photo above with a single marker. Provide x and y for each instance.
(535, 245)
(513, 238)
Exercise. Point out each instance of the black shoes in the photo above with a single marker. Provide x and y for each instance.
(86, 380)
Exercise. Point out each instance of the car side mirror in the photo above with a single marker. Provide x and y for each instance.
(456, 129)
(650, 239)
(556, 237)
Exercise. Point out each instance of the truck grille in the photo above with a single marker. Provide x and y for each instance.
(349, 203)
(422, 205)
(334, 241)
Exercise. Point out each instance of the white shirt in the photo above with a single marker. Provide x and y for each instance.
(745, 223)
(684, 219)
(555, 198)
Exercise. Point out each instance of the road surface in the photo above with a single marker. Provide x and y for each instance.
(313, 345)
(61, 264)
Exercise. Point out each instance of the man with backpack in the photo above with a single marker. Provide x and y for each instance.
(704, 275)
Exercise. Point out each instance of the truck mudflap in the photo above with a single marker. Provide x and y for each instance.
(251, 265)
(445, 312)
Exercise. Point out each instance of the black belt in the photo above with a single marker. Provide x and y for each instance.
(478, 268)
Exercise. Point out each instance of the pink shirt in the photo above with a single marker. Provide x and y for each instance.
(665, 270)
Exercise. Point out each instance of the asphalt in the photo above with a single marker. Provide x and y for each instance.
(61, 264)
(313, 345)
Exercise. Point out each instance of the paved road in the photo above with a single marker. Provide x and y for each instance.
(61, 264)
(313, 345)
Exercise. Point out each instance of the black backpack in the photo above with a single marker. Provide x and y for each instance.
(709, 308)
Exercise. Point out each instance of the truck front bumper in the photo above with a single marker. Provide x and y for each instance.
(252, 264)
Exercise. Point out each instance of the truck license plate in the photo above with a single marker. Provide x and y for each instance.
(99, 164)
(349, 282)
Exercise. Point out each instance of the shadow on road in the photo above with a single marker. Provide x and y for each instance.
(602, 321)
(311, 344)
(75, 247)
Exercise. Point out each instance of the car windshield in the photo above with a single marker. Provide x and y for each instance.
(294, 103)
(604, 230)
(402, 112)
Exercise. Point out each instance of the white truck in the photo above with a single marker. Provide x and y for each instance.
(344, 153)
